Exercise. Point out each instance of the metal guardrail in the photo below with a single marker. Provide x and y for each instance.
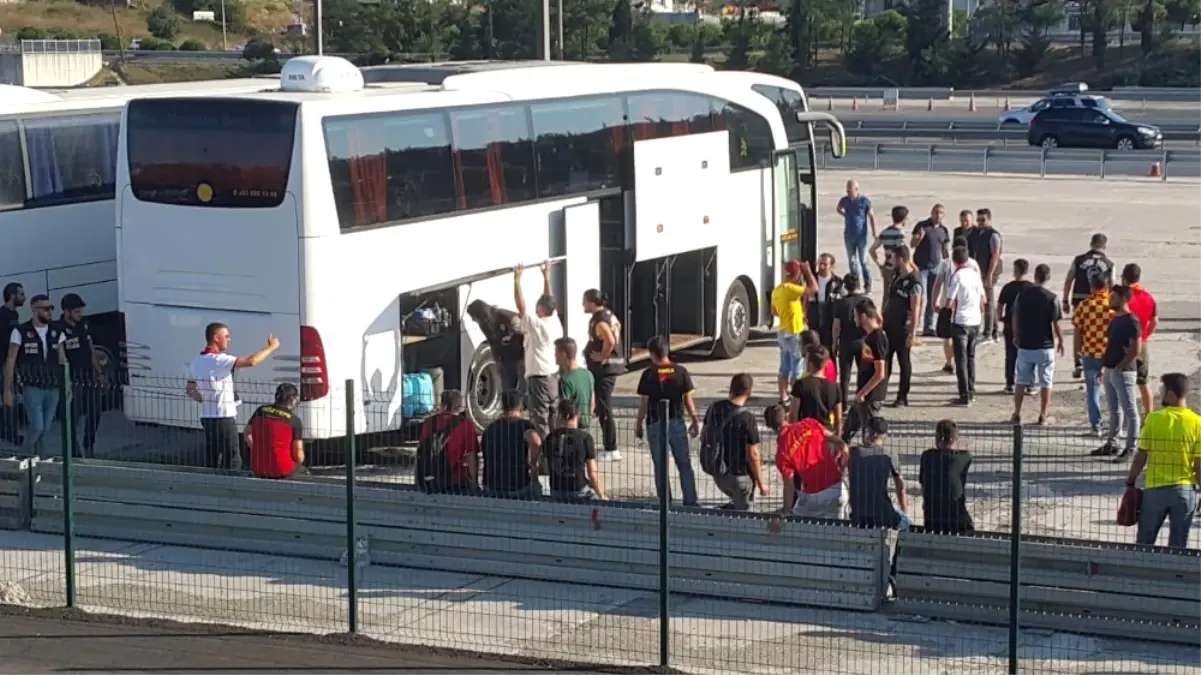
(1164, 94)
(15, 499)
(825, 564)
(993, 159)
(1119, 590)
(977, 131)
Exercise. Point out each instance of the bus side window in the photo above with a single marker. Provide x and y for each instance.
(12, 170)
(789, 103)
(494, 156)
(751, 142)
(578, 142)
(72, 158)
(662, 114)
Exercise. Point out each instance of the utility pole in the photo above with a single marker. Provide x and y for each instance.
(320, 31)
(562, 45)
(546, 30)
(224, 40)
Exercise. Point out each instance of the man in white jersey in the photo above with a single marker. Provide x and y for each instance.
(211, 384)
(541, 328)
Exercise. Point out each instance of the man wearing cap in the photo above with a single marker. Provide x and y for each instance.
(86, 376)
(787, 304)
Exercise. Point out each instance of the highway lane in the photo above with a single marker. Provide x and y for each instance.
(1010, 143)
(971, 160)
(956, 111)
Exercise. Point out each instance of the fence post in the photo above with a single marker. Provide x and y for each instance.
(1015, 552)
(352, 544)
(68, 451)
(663, 485)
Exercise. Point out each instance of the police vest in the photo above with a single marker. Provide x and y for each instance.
(615, 363)
(78, 346)
(37, 364)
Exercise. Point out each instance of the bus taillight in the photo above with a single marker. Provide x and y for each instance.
(314, 372)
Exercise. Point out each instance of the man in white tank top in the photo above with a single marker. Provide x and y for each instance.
(541, 328)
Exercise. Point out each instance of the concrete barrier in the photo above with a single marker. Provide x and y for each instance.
(922, 93)
(1073, 586)
(712, 554)
(16, 492)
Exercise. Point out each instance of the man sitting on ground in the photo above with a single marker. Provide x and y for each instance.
(943, 476)
(512, 452)
(870, 469)
(571, 457)
(448, 450)
(810, 458)
(274, 437)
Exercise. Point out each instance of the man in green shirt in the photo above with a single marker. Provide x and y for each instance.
(575, 383)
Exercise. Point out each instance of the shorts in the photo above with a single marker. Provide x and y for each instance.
(1035, 368)
(790, 355)
(1142, 366)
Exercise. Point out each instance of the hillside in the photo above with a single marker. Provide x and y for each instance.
(68, 19)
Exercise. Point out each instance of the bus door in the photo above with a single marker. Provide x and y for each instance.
(792, 228)
(581, 237)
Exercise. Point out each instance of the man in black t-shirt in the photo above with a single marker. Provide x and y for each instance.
(931, 243)
(670, 382)
(1036, 331)
(1076, 288)
(870, 468)
(1009, 295)
(738, 431)
(943, 477)
(847, 332)
(512, 452)
(902, 312)
(871, 361)
(571, 457)
(1119, 375)
(14, 299)
(814, 396)
(502, 331)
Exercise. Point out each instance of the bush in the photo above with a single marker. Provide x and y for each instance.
(108, 42)
(31, 33)
(164, 23)
(192, 46)
(153, 44)
(259, 50)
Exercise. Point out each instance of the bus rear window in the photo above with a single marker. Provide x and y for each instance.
(210, 152)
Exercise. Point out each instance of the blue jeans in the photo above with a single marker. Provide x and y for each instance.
(857, 259)
(1121, 396)
(40, 406)
(790, 355)
(1177, 503)
(928, 277)
(677, 440)
(1092, 391)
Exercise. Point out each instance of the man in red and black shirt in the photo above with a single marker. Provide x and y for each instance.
(1143, 307)
(274, 435)
(462, 443)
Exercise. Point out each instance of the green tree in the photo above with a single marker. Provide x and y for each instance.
(108, 42)
(154, 44)
(776, 57)
(164, 23)
(621, 32)
(649, 37)
(258, 49)
(925, 35)
(739, 32)
(1182, 13)
(32, 33)
(1037, 17)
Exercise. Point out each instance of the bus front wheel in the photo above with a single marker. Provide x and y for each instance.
(484, 387)
(735, 323)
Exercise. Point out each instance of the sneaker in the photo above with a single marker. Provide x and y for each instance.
(610, 456)
(1123, 455)
(1077, 373)
(1008, 389)
(1106, 450)
(901, 403)
(929, 332)
(962, 401)
(949, 369)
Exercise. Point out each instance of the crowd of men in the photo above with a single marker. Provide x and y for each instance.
(37, 349)
(954, 275)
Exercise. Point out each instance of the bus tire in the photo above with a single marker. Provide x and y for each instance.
(484, 386)
(735, 323)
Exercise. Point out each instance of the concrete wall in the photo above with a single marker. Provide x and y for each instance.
(49, 69)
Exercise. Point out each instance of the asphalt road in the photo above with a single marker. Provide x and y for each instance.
(956, 111)
(43, 641)
(1023, 160)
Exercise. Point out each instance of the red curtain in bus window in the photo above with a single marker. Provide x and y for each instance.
(496, 166)
(680, 116)
(368, 175)
(645, 128)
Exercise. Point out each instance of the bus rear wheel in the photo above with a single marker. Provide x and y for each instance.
(484, 385)
(735, 323)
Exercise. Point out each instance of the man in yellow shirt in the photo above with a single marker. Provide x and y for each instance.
(1169, 447)
(787, 303)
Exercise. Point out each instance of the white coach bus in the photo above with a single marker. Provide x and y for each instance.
(58, 167)
(330, 211)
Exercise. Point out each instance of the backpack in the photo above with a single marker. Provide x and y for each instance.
(561, 451)
(432, 471)
(713, 460)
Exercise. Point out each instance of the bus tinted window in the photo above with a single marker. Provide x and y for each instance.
(494, 156)
(12, 169)
(578, 141)
(72, 158)
(751, 143)
(789, 102)
(665, 114)
(210, 152)
(390, 167)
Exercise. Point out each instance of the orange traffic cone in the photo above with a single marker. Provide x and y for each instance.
(971, 106)
(1007, 106)
(854, 105)
(1155, 170)
(930, 105)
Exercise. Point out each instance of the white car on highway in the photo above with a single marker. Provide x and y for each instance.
(1023, 116)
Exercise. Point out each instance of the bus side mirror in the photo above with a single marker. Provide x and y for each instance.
(838, 135)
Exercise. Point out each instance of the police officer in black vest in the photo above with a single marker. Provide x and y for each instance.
(14, 300)
(35, 355)
(86, 392)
